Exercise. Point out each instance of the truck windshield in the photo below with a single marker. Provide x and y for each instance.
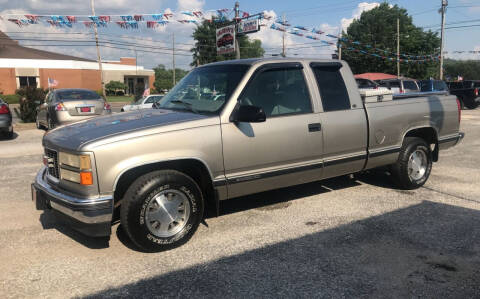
(205, 89)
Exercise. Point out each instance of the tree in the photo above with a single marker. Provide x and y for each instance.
(164, 77)
(378, 28)
(114, 87)
(205, 50)
(468, 69)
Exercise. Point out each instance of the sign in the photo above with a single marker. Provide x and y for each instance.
(248, 26)
(226, 40)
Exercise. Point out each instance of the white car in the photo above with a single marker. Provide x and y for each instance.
(143, 103)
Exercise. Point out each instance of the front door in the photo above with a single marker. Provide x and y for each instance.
(284, 150)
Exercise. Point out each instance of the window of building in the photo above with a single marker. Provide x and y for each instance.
(332, 88)
(27, 81)
(278, 92)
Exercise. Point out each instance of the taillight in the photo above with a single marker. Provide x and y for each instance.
(476, 92)
(459, 106)
(60, 107)
(107, 106)
(4, 109)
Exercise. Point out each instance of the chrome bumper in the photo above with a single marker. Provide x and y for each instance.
(92, 216)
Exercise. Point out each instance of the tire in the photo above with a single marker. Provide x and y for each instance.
(9, 134)
(38, 125)
(472, 105)
(122, 110)
(151, 194)
(409, 175)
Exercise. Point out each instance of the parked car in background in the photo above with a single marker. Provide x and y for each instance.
(6, 126)
(366, 83)
(65, 106)
(400, 85)
(281, 122)
(467, 92)
(432, 85)
(143, 103)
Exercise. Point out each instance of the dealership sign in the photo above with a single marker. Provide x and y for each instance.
(226, 40)
(248, 26)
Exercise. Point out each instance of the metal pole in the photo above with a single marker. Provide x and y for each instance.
(99, 58)
(237, 44)
(173, 58)
(398, 47)
(284, 53)
(442, 42)
(340, 46)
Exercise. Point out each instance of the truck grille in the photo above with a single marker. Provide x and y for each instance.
(52, 169)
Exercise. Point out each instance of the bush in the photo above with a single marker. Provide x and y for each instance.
(31, 97)
(115, 88)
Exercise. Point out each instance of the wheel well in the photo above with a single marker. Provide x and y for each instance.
(429, 135)
(191, 167)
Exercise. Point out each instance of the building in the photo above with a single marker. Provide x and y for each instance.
(22, 66)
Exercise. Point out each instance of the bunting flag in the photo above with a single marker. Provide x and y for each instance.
(72, 19)
(128, 24)
(33, 18)
(154, 24)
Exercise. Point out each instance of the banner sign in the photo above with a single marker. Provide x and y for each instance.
(226, 40)
(248, 26)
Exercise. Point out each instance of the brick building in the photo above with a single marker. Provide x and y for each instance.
(21, 66)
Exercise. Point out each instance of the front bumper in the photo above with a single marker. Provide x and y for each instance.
(91, 216)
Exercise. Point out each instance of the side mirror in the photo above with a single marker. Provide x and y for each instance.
(248, 114)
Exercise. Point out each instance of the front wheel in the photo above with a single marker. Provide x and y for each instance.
(414, 163)
(162, 210)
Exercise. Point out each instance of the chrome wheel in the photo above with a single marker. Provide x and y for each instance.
(167, 213)
(417, 165)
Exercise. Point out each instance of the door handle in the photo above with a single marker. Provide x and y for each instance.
(315, 127)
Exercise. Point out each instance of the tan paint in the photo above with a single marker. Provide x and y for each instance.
(8, 83)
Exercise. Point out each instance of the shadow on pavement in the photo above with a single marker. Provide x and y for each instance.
(3, 138)
(425, 250)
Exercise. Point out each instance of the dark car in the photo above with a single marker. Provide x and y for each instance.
(6, 127)
(467, 92)
(432, 85)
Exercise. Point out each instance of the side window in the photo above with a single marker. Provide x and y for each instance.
(150, 100)
(332, 88)
(278, 92)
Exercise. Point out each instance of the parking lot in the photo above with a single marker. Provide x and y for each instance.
(343, 237)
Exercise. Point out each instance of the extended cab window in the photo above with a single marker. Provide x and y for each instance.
(278, 91)
(332, 88)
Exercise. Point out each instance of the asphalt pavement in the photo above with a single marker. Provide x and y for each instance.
(342, 237)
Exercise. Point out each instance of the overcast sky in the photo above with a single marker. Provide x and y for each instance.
(326, 15)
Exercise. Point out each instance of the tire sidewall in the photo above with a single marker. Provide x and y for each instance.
(412, 148)
(138, 229)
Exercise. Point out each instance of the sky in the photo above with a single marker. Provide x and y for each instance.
(327, 15)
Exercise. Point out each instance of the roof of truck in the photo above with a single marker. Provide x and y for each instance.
(252, 61)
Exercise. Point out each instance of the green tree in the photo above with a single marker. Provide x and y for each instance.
(205, 50)
(114, 87)
(164, 77)
(378, 28)
(468, 69)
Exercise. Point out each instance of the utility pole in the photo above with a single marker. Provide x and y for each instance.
(442, 42)
(237, 44)
(340, 45)
(398, 47)
(284, 52)
(173, 57)
(99, 58)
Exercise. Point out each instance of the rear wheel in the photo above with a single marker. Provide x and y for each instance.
(162, 210)
(414, 163)
(472, 105)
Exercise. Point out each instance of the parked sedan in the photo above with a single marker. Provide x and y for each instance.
(400, 85)
(143, 103)
(65, 106)
(6, 127)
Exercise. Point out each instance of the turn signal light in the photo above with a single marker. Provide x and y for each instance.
(86, 178)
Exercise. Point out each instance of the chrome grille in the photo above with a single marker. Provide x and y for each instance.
(52, 169)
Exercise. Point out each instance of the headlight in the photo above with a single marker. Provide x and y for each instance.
(76, 168)
(81, 162)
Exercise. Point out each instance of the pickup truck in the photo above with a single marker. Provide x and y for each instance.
(282, 122)
(467, 93)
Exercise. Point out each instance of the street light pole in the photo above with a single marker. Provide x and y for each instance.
(237, 16)
(99, 58)
(442, 42)
(398, 47)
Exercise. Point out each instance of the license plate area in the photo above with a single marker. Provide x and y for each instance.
(84, 109)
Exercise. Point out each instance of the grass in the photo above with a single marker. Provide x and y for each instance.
(11, 99)
(120, 99)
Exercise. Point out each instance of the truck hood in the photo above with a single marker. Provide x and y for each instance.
(72, 137)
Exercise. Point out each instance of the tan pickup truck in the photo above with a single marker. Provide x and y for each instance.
(230, 129)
